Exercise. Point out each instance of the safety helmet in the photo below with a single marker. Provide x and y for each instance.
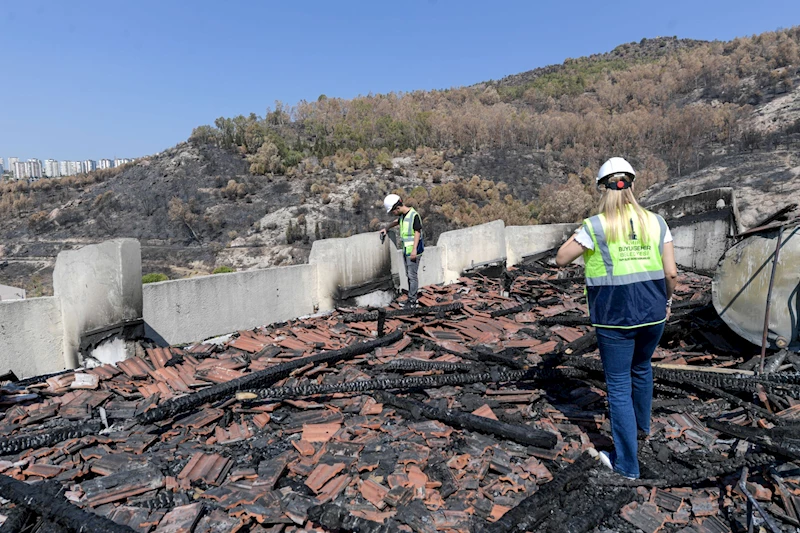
(615, 165)
(390, 201)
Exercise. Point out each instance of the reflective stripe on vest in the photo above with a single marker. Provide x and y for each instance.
(625, 280)
(407, 230)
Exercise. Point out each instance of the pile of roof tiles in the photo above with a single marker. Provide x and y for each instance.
(244, 464)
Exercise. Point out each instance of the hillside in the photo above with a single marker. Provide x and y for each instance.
(256, 191)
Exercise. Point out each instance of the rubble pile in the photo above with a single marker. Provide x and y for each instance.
(480, 411)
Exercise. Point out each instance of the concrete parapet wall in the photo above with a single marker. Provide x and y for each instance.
(97, 286)
(348, 262)
(31, 337)
(431, 267)
(472, 246)
(526, 240)
(703, 226)
(194, 309)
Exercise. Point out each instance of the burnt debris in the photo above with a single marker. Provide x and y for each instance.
(481, 410)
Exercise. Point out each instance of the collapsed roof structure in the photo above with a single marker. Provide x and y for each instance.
(480, 411)
(472, 413)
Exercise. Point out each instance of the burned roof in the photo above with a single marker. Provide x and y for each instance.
(479, 411)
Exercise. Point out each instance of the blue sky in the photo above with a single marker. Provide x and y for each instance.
(94, 79)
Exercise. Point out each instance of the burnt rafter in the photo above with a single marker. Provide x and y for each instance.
(56, 509)
(727, 382)
(776, 440)
(696, 475)
(408, 383)
(19, 443)
(417, 311)
(418, 365)
(533, 510)
(260, 379)
(521, 434)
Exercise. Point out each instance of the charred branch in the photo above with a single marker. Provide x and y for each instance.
(408, 383)
(419, 365)
(336, 518)
(723, 468)
(521, 434)
(594, 507)
(55, 509)
(773, 441)
(533, 510)
(418, 311)
(19, 443)
(260, 379)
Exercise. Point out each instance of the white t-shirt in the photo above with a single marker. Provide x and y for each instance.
(583, 238)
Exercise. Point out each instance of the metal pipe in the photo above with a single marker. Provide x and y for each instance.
(769, 301)
(753, 504)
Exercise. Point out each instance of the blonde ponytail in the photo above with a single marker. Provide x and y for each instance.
(615, 205)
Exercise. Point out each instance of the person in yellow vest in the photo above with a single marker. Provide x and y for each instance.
(411, 236)
(630, 275)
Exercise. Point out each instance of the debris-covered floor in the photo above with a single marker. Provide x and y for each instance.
(478, 412)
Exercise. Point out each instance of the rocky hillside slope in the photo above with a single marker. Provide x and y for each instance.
(256, 192)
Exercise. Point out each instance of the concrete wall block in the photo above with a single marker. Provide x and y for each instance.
(472, 246)
(97, 286)
(526, 240)
(31, 337)
(194, 309)
(700, 245)
(348, 262)
(431, 267)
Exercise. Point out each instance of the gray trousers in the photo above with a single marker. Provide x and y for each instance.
(411, 273)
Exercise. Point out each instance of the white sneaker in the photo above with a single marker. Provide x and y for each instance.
(606, 460)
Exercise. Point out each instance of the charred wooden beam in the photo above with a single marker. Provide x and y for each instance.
(773, 441)
(533, 510)
(582, 511)
(417, 311)
(57, 510)
(511, 310)
(336, 518)
(418, 365)
(260, 379)
(521, 434)
(19, 443)
(565, 320)
(582, 344)
(723, 468)
(407, 383)
(729, 382)
(488, 355)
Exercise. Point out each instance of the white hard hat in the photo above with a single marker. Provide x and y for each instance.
(390, 201)
(615, 165)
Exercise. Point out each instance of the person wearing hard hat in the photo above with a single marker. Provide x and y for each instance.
(630, 275)
(411, 236)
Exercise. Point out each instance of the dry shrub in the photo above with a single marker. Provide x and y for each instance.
(570, 202)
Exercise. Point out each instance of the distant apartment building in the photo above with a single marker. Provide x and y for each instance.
(70, 168)
(30, 169)
(105, 163)
(51, 168)
(89, 165)
(121, 161)
(12, 161)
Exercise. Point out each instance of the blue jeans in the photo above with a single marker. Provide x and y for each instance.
(626, 357)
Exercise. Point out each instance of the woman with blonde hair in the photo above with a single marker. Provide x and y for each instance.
(630, 275)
